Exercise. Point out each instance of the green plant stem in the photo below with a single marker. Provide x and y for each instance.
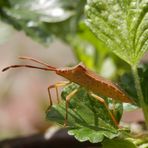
(143, 105)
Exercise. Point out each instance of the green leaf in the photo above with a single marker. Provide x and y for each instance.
(41, 19)
(88, 119)
(116, 143)
(94, 136)
(122, 25)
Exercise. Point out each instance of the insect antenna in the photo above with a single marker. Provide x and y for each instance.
(29, 66)
(46, 68)
(37, 61)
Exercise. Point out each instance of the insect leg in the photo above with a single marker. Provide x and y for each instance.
(59, 84)
(63, 83)
(68, 97)
(106, 106)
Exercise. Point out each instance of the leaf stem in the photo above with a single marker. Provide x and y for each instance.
(140, 94)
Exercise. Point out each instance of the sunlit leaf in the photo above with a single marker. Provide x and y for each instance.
(122, 25)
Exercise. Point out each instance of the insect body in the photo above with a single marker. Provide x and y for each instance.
(84, 77)
(93, 82)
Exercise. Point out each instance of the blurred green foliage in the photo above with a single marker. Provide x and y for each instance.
(41, 19)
